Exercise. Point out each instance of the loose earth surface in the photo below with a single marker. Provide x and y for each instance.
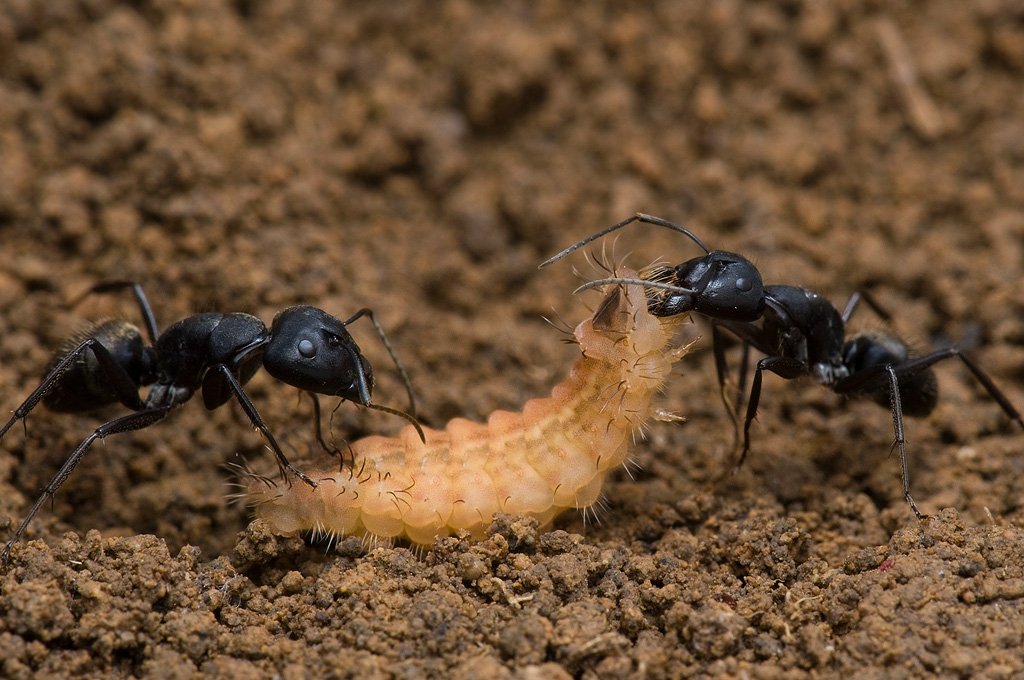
(422, 158)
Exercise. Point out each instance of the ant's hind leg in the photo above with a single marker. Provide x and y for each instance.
(118, 380)
(128, 423)
(867, 380)
(990, 386)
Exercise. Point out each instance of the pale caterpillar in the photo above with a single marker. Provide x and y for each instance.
(552, 456)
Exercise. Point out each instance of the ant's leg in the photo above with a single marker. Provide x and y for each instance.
(334, 451)
(140, 298)
(921, 363)
(717, 347)
(318, 428)
(741, 381)
(871, 379)
(900, 441)
(851, 305)
(317, 424)
(128, 423)
(367, 312)
(125, 388)
(259, 424)
(750, 336)
(869, 299)
(783, 367)
(986, 382)
(722, 370)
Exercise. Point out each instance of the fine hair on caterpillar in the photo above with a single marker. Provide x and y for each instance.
(551, 456)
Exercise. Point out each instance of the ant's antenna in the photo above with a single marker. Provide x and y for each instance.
(401, 414)
(639, 217)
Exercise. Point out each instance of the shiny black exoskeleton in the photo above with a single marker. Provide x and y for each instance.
(213, 353)
(800, 332)
(719, 285)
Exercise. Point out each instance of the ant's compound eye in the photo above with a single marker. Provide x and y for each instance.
(307, 349)
(744, 285)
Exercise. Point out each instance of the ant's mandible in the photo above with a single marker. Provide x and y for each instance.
(800, 333)
(213, 352)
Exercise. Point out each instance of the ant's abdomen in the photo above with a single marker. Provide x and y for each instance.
(85, 386)
(919, 392)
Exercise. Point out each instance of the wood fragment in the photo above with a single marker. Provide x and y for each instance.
(923, 115)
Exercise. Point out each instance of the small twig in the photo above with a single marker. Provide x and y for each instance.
(924, 116)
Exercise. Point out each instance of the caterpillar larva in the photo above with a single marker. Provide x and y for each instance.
(552, 456)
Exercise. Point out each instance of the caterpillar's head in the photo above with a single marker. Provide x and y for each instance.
(622, 319)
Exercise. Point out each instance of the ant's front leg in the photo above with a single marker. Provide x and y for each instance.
(784, 367)
(722, 371)
(318, 428)
(749, 335)
(257, 421)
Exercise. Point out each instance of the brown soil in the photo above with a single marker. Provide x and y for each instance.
(421, 159)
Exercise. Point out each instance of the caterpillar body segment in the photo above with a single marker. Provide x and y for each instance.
(551, 456)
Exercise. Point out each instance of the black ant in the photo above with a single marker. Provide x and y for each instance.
(800, 332)
(214, 352)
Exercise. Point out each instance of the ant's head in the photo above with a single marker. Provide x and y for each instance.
(721, 285)
(312, 350)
